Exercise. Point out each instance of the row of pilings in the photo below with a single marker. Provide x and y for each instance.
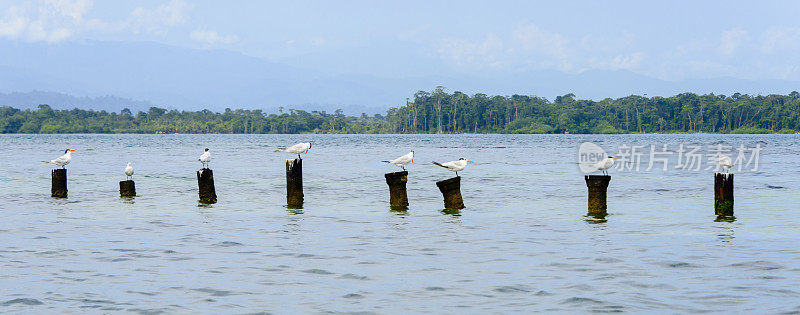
(398, 197)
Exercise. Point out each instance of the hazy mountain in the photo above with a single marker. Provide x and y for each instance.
(24, 100)
(182, 78)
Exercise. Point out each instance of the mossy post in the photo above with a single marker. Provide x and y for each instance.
(58, 188)
(451, 191)
(294, 183)
(205, 182)
(723, 194)
(398, 197)
(598, 185)
(127, 188)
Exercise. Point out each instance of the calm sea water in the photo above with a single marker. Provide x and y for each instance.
(523, 243)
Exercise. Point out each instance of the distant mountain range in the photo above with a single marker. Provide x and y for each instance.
(66, 101)
(114, 75)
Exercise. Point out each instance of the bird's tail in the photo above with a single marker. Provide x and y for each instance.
(386, 162)
(47, 162)
(437, 163)
(281, 150)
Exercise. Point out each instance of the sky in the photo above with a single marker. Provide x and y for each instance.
(668, 40)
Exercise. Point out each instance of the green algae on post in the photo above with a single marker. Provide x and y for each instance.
(598, 185)
(723, 194)
(398, 196)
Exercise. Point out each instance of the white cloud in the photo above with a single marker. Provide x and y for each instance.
(529, 47)
(160, 19)
(13, 23)
(486, 53)
(732, 39)
(780, 38)
(212, 37)
(530, 37)
(57, 20)
(49, 20)
(626, 61)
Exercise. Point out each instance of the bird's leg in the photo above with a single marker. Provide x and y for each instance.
(456, 174)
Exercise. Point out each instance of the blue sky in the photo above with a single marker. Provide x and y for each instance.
(670, 40)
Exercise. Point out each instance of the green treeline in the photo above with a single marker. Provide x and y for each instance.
(438, 111)
(441, 112)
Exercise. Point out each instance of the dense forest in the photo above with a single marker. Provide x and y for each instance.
(438, 111)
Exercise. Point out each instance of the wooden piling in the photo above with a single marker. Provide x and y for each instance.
(598, 185)
(58, 188)
(451, 191)
(398, 197)
(294, 183)
(127, 188)
(723, 194)
(205, 182)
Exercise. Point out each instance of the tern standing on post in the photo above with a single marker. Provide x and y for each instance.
(725, 162)
(62, 160)
(129, 170)
(454, 166)
(403, 160)
(205, 158)
(300, 148)
(605, 164)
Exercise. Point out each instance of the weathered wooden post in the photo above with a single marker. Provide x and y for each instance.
(294, 183)
(723, 194)
(205, 181)
(598, 185)
(451, 191)
(398, 197)
(127, 188)
(58, 187)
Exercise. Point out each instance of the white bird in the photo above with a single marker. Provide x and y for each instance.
(297, 149)
(205, 158)
(605, 164)
(455, 166)
(725, 162)
(129, 170)
(403, 160)
(62, 160)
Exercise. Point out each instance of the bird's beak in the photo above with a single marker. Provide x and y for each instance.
(471, 161)
(616, 158)
(412, 160)
(309, 149)
(72, 150)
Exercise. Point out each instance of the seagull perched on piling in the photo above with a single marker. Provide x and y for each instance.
(605, 164)
(205, 158)
(129, 170)
(725, 162)
(454, 166)
(403, 160)
(62, 160)
(297, 149)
